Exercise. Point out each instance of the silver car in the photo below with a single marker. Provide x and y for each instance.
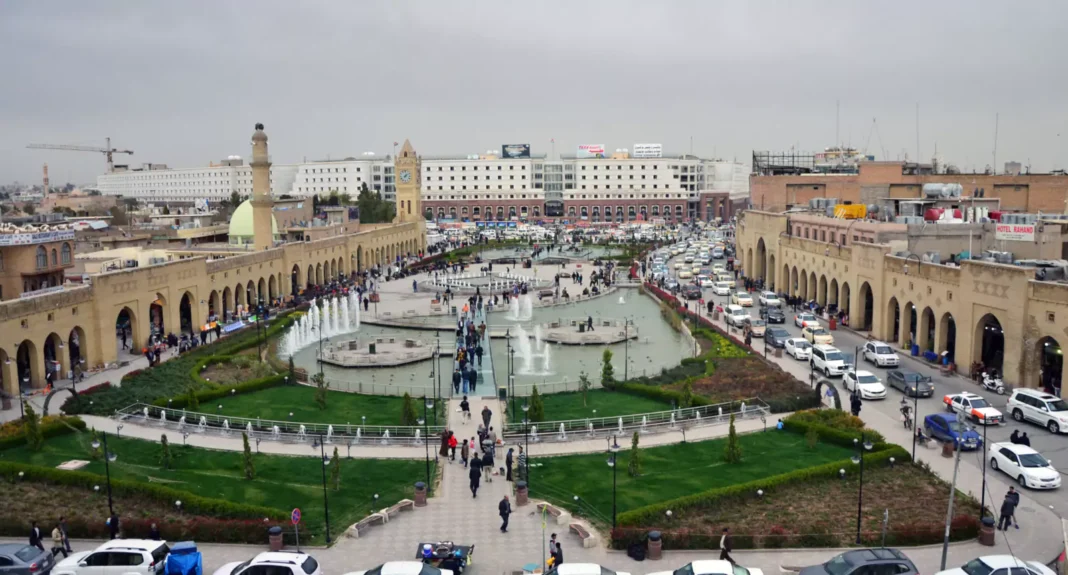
(22, 559)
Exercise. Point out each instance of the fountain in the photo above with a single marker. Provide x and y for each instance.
(546, 365)
(226, 426)
(181, 422)
(418, 437)
(672, 420)
(534, 433)
(145, 412)
(330, 434)
(621, 426)
(697, 416)
(203, 424)
(248, 428)
(645, 422)
(622, 300)
(527, 352)
(743, 409)
(589, 428)
(528, 308)
(337, 315)
(721, 412)
(359, 434)
(276, 433)
(563, 433)
(163, 417)
(513, 309)
(385, 437)
(302, 433)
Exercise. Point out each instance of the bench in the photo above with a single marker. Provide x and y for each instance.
(364, 525)
(588, 539)
(396, 508)
(562, 517)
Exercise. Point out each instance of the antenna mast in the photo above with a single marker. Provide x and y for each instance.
(996, 118)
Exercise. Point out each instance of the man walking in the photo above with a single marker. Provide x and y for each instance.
(1011, 498)
(508, 464)
(464, 452)
(486, 415)
(475, 474)
(57, 542)
(505, 509)
(35, 536)
(456, 381)
(726, 544)
(521, 464)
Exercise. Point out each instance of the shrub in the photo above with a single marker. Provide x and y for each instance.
(776, 538)
(537, 406)
(608, 378)
(843, 433)
(584, 386)
(733, 452)
(95, 388)
(408, 416)
(335, 470)
(811, 438)
(634, 462)
(321, 387)
(32, 429)
(250, 465)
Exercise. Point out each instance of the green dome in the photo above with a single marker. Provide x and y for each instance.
(241, 228)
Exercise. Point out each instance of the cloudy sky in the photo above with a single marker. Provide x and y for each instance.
(183, 83)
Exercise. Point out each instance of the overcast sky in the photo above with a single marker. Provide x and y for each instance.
(183, 83)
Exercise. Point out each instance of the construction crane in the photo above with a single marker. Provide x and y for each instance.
(106, 150)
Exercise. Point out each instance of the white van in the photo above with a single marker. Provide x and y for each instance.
(829, 360)
(736, 315)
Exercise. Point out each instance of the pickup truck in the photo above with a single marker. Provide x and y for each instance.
(974, 407)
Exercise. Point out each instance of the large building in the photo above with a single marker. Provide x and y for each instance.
(61, 325)
(595, 187)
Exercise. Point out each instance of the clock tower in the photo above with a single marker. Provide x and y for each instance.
(407, 179)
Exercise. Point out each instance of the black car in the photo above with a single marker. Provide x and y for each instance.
(865, 561)
(691, 292)
(777, 336)
(910, 383)
(772, 314)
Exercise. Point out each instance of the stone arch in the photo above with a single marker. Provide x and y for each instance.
(825, 388)
(250, 294)
(240, 292)
(845, 297)
(866, 310)
(787, 285)
(29, 365)
(76, 347)
(892, 330)
(925, 337)
(770, 283)
(747, 267)
(319, 274)
(213, 303)
(272, 288)
(912, 325)
(802, 285)
(261, 290)
(227, 302)
(988, 342)
(55, 356)
(812, 284)
(761, 262)
(157, 314)
(821, 290)
(946, 339)
(832, 292)
(1048, 362)
(359, 258)
(186, 321)
(311, 275)
(333, 268)
(295, 280)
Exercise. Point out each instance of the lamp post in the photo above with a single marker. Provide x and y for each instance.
(259, 339)
(108, 458)
(511, 376)
(982, 504)
(861, 447)
(626, 353)
(320, 330)
(614, 449)
(433, 369)
(526, 441)
(427, 404)
(326, 502)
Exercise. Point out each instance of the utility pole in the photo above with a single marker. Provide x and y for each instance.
(949, 511)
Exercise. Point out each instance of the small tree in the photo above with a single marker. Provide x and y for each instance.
(811, 438)
(32, 429)
(733, 453)
(335, 470)
(537, 406)
(166, 459)
(584, 386)
(193, 402)
(321, 387)
(608, 373)
(250, 466)
(292, 372)
(686, 400)
(408, 414)
(634, 466)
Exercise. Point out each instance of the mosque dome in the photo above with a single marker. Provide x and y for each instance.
(241, 227)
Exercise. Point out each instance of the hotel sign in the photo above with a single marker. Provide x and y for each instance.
(1015, 232)
(35, 238)
(591, 151)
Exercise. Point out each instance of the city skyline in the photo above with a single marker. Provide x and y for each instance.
(178, 84)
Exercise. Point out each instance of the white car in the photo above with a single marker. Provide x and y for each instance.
(685, 274)
(803, 319)
(1039, 407)
(274, 562)
(580, 569)
(974, 407)
(866, 382)
(710, 567)
(769, 298)
(817, 335)
(881, 354)
(117, 557)
(798, 348)
(721, 288)
(1025, 465)
(999, 565)
(742, 298)
(400, 568)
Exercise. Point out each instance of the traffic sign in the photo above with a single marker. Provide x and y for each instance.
(295, 516)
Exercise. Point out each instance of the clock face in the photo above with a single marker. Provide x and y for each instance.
(405, 176)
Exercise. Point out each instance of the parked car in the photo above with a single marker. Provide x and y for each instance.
(1025, 464)
(828, 360)
(721, 288)
(117, 557)
(798, 348)
(736, 315)
(999, 565)
(22, 559)
(1039, 407)
(757, 327)
(710, 567)
(773, 315)
(817, 335)
(706, 281)
(946, 427)
(742, 298)
(865, 562)
(865, 383)
(910, 383)
(974, 407)
(880, 353)
(777, 336)
(803, 319)
(770, 298)
(691, 292)
(579, 569)
(398, 568)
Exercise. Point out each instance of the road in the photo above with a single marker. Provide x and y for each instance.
(1054, 447)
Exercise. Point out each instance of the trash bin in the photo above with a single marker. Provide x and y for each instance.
(655, 546)
(502, 393)
(274, 538)
(986, 532)
(915, 350)
(420, 494)
(833, 323)
(521, 493)
(582, 328)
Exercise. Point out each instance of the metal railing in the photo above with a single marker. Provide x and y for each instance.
(191, 422)
(751, 408)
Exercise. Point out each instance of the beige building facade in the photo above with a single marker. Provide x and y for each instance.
(992, 313)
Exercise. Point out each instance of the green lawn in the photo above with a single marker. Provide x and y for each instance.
(341, 407)
(564, 406)
(671, 471)
(281, 482)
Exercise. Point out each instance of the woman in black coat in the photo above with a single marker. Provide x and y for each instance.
(475, 474)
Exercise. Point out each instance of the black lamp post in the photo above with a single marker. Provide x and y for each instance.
(326, 502)
(526, 441)
(982, 504)
(427, 404)
(320, 330)
(433, 369)
(861, 447)
(511, 376)
(108, 458)
(613, 449)
(626, 354)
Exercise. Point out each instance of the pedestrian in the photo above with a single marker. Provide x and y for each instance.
(452, 447)
(726, 544)
(492, 435)
(487, 465)
(478, 354)
(505, 509)
(456, 380)
(508, 464)
(486, 415)
(124, 346)
(554, 549)
(1015, 437)
(559, 557)
(465, 410)
(1008, 507)
(1014, 496)
(66, 536)
(748, 338)
(465, 450)
(153, 532)
(113, 526)
(521, 464)
(57, 542)
(854, 404)
(1024, 440)
(35, 536)
(475, 474)
(444, 449)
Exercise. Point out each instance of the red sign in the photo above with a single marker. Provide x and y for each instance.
(295, 516)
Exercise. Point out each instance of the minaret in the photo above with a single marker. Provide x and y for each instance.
(262, 218)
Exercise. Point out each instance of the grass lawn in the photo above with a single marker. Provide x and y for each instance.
(671, 471)
(341, 407)
(281, 482)
(564, 406)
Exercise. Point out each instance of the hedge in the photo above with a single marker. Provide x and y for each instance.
(220, 391)
(799, 423)
(186, 528)
(50, 427)
(191, 502)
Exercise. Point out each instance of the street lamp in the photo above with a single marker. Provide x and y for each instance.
(433, 369)
(919, 263)
(626, 351)
(326, 502)
(427, 404)
(861, 447)
(108, 458)
(526, 441)
(614, 449)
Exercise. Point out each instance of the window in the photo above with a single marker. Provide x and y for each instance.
(66, 255)
(42, 257)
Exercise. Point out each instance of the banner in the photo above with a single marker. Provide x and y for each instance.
(590, 151)
(35, 238)
(512, 151)
(647, 151)
(1015, 232)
